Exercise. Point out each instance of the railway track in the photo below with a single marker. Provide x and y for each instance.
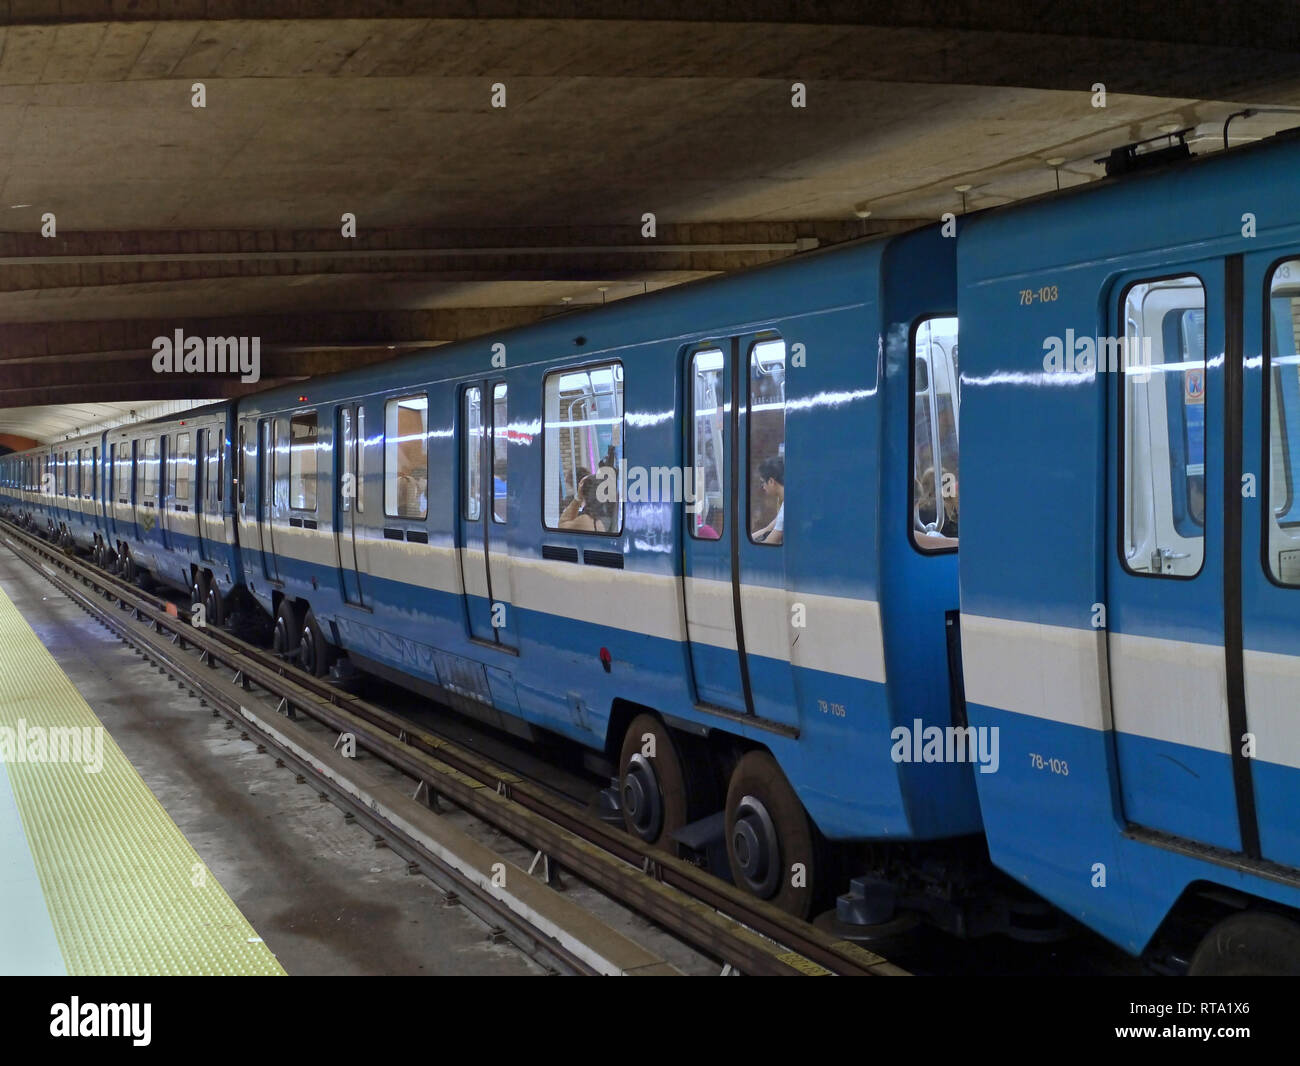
(747, 935)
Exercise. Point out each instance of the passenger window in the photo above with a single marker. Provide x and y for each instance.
(149, 470)
(1282, 528)
(406, 457)
(302, 462)
(182, 472)
(936, 453)
(212, 439)
(61, 474)
(88, 461)
(707, 516)
(473, 434)
(1163, 425)
(500, 456)
(767, 442)
(360, 500)
(583, 432)
(240, 462)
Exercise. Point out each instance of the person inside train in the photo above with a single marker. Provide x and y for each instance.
(771, 479)
(583, 513)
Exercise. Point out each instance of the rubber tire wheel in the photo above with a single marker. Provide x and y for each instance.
(669, 771)
(313, 650)
(215, 606)
(1249, 944)
(129, 571)
(758, 775)
(198, 593)
(288, 632)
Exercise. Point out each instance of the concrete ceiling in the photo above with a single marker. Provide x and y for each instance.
(226, 219)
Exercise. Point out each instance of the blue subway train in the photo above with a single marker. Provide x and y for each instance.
(1023, 648)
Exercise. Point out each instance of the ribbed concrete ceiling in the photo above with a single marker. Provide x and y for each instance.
(227, 216)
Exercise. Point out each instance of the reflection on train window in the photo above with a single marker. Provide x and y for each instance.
(302, 462)
(149, 470)
(500, 442)
(182, 464)
(767, 442)
(1282, 528)
(361, 460)
(120, 460)
(61, 474)
(406, 457)
(1163, 476)
(472, 421)
(708, 443)
(936, 419)
(88, 459)
(212, 470)
(583, 431)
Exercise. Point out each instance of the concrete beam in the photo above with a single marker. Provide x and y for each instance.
(77, 260)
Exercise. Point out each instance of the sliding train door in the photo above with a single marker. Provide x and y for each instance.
(735, 584)
(483, 513)
(1168, 612)
(1270, 546)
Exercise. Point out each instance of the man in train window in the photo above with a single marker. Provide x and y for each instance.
(771, 478)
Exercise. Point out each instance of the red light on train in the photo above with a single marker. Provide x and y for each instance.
(606, 659)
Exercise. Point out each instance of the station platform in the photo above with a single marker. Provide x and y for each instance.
(95, 877)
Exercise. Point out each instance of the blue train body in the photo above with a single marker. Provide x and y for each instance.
(1129, 567)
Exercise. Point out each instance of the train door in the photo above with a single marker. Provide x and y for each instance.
(1165, 617)
(207, 518)
(736, 596)
(711, 532)
(167, 520)
(1270, 546)
(349, 503)
(484, 513)
(266, 482)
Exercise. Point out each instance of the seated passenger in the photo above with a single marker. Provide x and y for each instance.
(771, 478)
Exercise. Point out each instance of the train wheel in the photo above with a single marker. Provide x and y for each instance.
(284, 641)
(1249, 944)
(215, 605)
(770, 842)
(313, 651)
(658, 781)
(198, 593)
(129, 572)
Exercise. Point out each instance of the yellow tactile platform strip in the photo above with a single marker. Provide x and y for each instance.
(126, 892)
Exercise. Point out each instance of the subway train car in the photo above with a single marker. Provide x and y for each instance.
(442, 519)
(167, 514)
(1130, 567)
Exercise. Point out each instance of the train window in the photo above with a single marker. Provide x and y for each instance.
(473, 436)
(707, 519)
(936, 417)
(302, 462)
(767, 442)
(182, 464)
(211, 452)
(583, 433)
(1163, 426)
(406, 457)
(89, 456)
(240, 461)
(1282, 529)
(61, 474)
(361, 460)
(149, 470)
(500, 442)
